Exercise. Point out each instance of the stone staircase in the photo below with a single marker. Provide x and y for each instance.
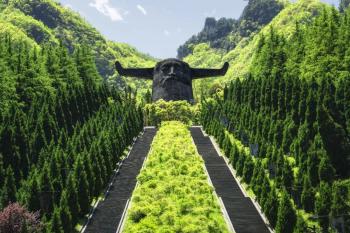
(244, 216)
(109, 212)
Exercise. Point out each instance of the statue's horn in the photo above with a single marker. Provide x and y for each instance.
(204, 73)
(146, 73)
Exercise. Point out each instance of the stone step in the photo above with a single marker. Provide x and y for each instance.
(244, 216)
(108, 213)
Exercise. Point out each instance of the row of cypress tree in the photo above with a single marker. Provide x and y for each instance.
(293, 111)
(62, 131)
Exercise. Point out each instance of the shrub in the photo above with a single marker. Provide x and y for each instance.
(16, 219)
(161, 110)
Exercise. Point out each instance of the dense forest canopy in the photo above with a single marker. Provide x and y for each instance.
(42, 22)
(292, 111)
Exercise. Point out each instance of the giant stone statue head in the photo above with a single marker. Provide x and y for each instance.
(172, 78)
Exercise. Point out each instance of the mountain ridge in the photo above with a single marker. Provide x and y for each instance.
(241, 57)
(47, 21)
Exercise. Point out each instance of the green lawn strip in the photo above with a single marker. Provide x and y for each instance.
(173, 194)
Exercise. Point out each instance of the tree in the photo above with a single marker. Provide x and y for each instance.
(248, 169)
(55, 223)
(340, 196)
(326, 171)
(82, 187)
(343, 5)
(72, 198)
(301, 225)
(286, 218)
(46, 190)
(16, 219)
(323, 205)
(32, 192)
(307, 196)
(8, 193)
(271, 207)
(335, 141)
(66, 217)
(287, 175)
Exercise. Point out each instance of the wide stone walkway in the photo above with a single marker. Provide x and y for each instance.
(109, 212)
(244, 216)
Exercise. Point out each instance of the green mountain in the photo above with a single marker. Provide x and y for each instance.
(240, 58)
(225, 34)
(42, 22)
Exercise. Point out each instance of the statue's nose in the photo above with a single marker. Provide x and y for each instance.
(172, 71)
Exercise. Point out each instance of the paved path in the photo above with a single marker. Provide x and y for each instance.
(108, 213)
(244, 216)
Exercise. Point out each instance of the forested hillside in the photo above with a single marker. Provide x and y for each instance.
(42, 22)
(55, 114)
(285, 127)
(241, 56)
(57, 111)
(224, 34)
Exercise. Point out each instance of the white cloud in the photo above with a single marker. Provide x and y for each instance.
(166, 32)
(142, 9)
(68, 6)
(104, 7)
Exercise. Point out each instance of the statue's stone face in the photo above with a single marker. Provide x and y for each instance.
(172, 78)
(172, 81)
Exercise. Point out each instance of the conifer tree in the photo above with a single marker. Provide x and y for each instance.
(33, 192)
(65, 214)
(72, 198)
(307, 196)
(248, 169)
(340, 206)
(301, 225)
(271, 207)
(286, 218)
(323, 205)
(82, 187)
(46, 190)
(8, 192)
(56, 223)
(326, 171)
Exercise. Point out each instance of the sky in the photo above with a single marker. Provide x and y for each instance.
(155, 27)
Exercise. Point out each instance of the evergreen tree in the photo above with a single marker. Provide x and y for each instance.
(307, 196)
(323, 205)
(340, 206)
(286, 218)
(326, 171)
(301, 225)
(248, 169)
(56, 223)
(8, 192)
(65, 214)
(271, 207)
(46, 190)
(82, 187)
(72, 197)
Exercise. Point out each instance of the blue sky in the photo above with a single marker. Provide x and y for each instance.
(156, 27)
